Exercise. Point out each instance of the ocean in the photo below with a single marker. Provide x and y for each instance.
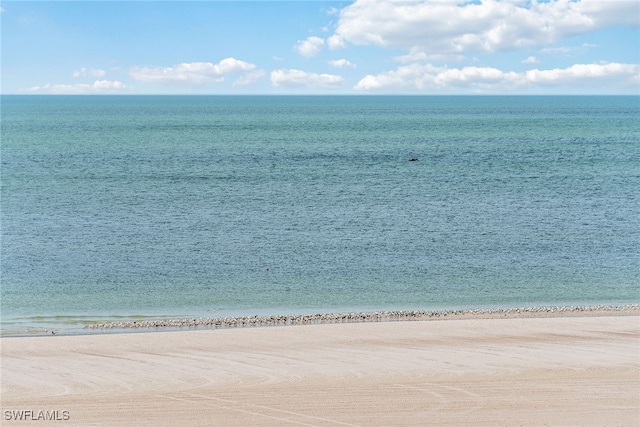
(136, 207)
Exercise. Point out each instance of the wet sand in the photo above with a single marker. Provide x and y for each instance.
(559, 370)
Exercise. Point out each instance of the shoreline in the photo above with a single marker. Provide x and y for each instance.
(364, 317)
(128, 324)
(569, 368)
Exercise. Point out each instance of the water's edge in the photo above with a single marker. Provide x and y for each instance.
(142, 324)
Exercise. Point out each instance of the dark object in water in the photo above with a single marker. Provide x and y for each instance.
(413, 159)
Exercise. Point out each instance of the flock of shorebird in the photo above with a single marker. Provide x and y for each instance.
(376, 316)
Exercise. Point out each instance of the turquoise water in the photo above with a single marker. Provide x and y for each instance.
(187, 206)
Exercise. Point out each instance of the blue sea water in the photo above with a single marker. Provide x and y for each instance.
(159, 206)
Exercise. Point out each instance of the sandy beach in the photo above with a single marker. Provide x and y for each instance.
(515, 371)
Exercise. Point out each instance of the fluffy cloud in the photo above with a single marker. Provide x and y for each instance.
(97, 87)
(450, 27)
(582, 72)
(194, 73)
(297, 78)
(431, 79)
(309, 47)
(335, 42)
(342, 63)
(84, 72)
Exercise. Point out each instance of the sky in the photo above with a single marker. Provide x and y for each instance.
(429, 47)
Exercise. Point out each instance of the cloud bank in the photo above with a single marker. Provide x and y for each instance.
(432, 79)
(450, 27)
(97, 87)
(198, 73)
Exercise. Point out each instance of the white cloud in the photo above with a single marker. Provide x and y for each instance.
(335, 42)
(297, 78)
(309, 47)
(591, 72)
(477, 77)
(97, 87)
(405, 77)
(530, 60)
(431, 79)
(341, 63)
(193, 73)
(446, 27)
(84, 72)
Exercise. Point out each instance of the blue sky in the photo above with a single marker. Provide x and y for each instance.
(308, 47)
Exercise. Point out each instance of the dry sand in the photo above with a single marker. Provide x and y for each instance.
(534, 371)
